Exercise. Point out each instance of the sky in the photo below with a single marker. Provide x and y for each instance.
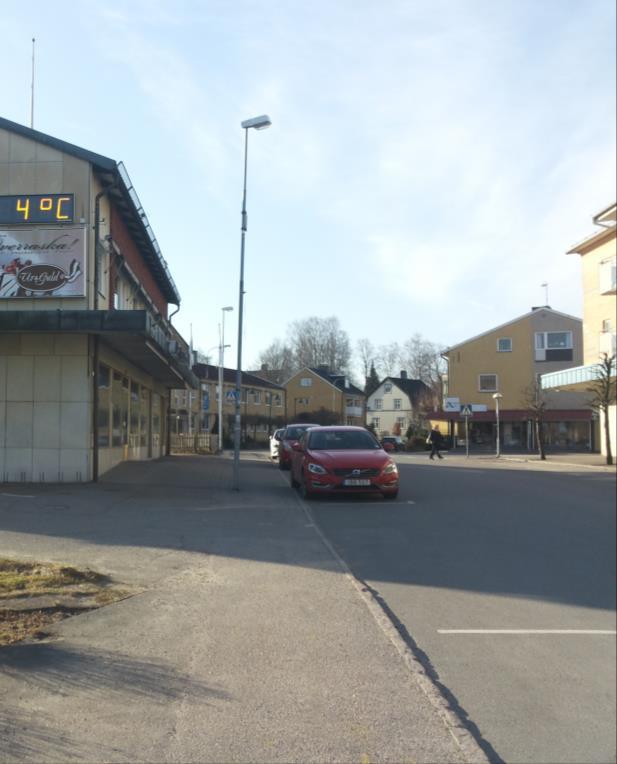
(429, 162)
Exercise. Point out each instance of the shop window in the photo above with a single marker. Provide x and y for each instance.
(119, 409)
(144, 405)
(156, 420)
(134, 415)
(104, 403)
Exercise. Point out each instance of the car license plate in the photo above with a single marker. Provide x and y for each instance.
(356, 481)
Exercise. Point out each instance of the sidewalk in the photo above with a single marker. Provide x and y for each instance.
(249, 642)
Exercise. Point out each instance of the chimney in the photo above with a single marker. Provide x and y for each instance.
(403, 374)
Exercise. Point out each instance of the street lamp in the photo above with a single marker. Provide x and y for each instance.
(497, 397)
(222, 347)
(259, 123)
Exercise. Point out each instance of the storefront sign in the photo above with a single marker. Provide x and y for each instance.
(37, 262)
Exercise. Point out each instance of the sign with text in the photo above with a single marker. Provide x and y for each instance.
(42, 262)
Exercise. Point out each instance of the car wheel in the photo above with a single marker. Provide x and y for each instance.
(390, 495)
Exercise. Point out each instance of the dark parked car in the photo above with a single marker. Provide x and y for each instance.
(395, 440)
(333, 460)
(292, 433)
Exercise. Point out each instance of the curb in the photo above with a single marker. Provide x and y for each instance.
(467, 742)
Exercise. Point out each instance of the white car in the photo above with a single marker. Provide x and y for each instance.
(274, 444)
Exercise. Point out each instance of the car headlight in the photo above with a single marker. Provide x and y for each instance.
(317, 469)
(390, 468)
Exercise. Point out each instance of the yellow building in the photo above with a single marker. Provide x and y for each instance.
(316, 395)
(598, 260)
(502, 366)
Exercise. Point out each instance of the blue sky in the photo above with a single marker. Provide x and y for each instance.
(429, 163)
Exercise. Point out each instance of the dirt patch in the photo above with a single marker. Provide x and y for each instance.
(34, 595)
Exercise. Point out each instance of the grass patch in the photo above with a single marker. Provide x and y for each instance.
(63, 591)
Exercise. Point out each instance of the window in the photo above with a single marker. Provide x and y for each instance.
(378, 403)
(504, 345)
(554, 346)
(375, 422)
(104, 385)
(608, 276)
(306, 382)
(607, 325)
(387, 387)
(397, 404)
(487, 383)
(257, 397)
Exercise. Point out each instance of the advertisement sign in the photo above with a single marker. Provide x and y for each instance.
(42, 262)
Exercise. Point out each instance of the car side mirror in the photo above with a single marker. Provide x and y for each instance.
(296, 446)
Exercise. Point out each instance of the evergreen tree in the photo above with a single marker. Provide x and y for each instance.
(372, 381)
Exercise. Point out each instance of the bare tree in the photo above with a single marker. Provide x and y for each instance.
(423, 360)
(603, 394)
(366, 351)
(388, 360)
(276, 361)
(315, 341)
(535, 403)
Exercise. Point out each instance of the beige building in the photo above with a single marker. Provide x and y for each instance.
(88, 354)
(599, 267)
(397, 404)
(507, 361)
(262, 405)
(316, 395)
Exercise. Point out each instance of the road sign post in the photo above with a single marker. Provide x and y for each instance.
(467, 411)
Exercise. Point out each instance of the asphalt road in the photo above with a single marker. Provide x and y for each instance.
(472, 547)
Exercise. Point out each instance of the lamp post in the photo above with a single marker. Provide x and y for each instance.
(497, 397)
(259, 123)
(222, 347)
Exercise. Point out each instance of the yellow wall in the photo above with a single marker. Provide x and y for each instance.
(320, 394)
(596, 306)
(515, 370)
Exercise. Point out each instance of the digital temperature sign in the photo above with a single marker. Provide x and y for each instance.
(36, 208)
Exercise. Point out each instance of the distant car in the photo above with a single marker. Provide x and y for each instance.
(291, 433)
(274, 444)
(395, 440)
(333, 460)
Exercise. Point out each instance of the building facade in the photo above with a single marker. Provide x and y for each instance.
(397, 404)
(508, 361)
(88, 354)
(598, 254)
(316, 395)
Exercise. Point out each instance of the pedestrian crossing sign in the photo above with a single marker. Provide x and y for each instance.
(466, 410)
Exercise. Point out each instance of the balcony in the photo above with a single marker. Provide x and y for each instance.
(355, 411)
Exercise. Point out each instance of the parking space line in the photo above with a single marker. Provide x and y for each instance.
(607, 632)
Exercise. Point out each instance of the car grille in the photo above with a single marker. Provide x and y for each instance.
(351, 472)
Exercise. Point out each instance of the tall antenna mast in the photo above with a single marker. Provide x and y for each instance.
(545, 285)
(32, 88)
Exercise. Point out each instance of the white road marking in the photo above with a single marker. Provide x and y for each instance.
(610, 632)
(18, 495)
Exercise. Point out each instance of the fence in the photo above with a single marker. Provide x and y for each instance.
(199, 443)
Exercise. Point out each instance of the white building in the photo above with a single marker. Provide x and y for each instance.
(395, 404)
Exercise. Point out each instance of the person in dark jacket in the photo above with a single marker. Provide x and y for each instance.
(435, 439)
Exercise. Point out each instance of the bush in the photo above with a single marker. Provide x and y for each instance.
(417, 443)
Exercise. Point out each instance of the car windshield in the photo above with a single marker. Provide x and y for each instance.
(295, 433)
(337, 440)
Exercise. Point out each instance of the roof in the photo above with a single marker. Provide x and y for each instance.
(337, 380)
(206, 371)
(412, 388)
(116, 181)
(509, 323)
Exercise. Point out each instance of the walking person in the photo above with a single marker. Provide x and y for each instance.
(435, 439)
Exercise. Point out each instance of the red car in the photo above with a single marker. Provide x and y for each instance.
(292, 433)
(333, 460)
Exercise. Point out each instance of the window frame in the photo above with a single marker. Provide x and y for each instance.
(504, 339)
(487, 390)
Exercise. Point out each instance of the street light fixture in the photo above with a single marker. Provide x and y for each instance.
(258, 123)
(222, 347)
(497, 397)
